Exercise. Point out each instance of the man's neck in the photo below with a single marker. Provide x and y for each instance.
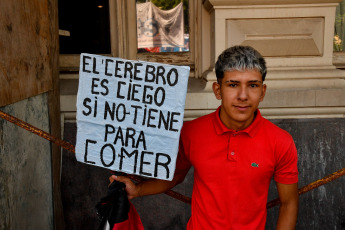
(238, 126)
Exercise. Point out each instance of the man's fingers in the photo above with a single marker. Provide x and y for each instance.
(112, 178)
(131, 188)
(123, 179)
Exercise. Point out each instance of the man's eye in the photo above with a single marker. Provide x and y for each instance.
(233, 85)
(253, 85)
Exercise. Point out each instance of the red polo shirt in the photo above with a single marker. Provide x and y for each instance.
(233, 170)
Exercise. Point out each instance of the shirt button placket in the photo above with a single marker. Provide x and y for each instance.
(231, 152)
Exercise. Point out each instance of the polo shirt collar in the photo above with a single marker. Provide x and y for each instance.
(251, 130)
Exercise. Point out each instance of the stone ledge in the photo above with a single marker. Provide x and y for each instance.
(208, 4)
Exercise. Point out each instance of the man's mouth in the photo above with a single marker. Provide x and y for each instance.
(242, 107)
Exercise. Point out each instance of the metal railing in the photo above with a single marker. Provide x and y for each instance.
(71, 148)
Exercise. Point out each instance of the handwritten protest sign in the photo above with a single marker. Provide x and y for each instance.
(129, 115)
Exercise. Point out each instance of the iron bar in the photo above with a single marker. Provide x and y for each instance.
(178, 196)
(71, 148)
(38, 131)
(312, 185)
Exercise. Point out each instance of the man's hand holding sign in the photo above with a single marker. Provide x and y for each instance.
(129, 115)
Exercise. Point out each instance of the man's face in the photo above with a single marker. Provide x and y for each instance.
(240, 92)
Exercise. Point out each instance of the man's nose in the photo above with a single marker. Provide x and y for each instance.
(242, 93)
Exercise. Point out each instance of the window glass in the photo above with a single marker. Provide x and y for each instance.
(339, 32)
(162, 26)
(84, 26)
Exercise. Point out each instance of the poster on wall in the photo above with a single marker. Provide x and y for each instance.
(159, 28)
(130, 114)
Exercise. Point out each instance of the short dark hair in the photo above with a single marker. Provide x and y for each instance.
(240, 58)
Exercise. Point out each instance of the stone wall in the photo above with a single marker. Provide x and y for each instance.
(25, 167)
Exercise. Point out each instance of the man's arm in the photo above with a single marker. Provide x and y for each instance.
(151, 186)
(288, 195)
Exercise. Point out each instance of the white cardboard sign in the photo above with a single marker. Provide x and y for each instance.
(130, 114)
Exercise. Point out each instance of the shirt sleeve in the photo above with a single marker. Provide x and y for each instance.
(286, 171)
(182, 161)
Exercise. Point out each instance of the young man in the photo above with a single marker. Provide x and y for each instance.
(235, 152)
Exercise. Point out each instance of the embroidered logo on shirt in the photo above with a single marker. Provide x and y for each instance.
(255, 165)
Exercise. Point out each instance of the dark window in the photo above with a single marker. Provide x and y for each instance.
(85, 26)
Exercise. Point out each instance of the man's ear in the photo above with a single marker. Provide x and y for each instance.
(216, 90)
